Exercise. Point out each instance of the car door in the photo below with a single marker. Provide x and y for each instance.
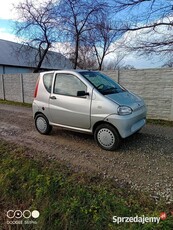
(66, 108)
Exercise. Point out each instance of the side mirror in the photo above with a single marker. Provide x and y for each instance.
(82, 93)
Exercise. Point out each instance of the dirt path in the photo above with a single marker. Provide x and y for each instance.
(145, 160)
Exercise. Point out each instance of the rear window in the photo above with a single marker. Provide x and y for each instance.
(47, 81)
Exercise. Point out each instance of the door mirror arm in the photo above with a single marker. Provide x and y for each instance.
(82, 93)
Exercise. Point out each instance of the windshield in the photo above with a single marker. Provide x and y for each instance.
(102, 83)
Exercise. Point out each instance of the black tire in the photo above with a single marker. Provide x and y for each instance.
(107, 137)
(42, 124)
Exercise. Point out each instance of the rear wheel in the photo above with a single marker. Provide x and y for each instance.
(107, 137)
(42, 124)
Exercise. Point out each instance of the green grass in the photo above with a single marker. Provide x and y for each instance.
(15, 103)
(160, 122)
(68, 200)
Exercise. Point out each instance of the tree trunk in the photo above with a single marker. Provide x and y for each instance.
(42, 58)
(76, 52)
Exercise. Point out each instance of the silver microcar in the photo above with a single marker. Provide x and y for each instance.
(87, 101)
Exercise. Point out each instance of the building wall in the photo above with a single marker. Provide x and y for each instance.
(154, 85)
(18, 87)
(13, 70)
(1, 69)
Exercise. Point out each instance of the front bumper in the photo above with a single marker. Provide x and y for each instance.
(128, 124)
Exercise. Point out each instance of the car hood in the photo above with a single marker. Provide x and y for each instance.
(126, 98)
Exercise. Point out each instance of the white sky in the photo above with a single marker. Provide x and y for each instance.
(6, 9)
(7, 13)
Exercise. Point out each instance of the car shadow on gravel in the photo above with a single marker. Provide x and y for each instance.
(138, 142)
(73, 137)
(147, 143)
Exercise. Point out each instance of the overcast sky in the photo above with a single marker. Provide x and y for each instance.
(5, 9)
(7, 15)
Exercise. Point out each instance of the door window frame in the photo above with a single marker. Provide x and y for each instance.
(74, 76)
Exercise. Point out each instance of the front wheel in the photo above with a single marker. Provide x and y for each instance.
(107, 137)
(42, 124)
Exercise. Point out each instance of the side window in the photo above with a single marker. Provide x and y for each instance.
(47, 80)
(68, 84)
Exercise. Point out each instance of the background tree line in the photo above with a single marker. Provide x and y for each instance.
(89, 30)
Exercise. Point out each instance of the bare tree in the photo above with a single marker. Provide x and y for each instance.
(168, 63)
(127, 67)
(86, 59)
(103, 37)
(37, 24)
(150, 21)
(116, 62)
(77, 18)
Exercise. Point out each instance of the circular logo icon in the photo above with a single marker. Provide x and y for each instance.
(10, 214)
(35, 214)
(25, 214)
(18, 214)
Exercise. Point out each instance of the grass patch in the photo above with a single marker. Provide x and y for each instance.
(15, 103)
(160, 122)
(68, 200)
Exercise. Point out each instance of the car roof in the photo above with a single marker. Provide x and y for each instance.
(68, 71)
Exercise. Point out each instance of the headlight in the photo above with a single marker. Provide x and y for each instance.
(124, 110)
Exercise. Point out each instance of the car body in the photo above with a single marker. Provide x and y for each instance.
(87, 101)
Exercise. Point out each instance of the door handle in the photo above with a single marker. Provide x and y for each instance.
(52, 97)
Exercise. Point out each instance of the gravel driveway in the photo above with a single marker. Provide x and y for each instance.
(145, 160)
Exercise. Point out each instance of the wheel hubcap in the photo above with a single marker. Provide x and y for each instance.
(41, 124)
(106, 137)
